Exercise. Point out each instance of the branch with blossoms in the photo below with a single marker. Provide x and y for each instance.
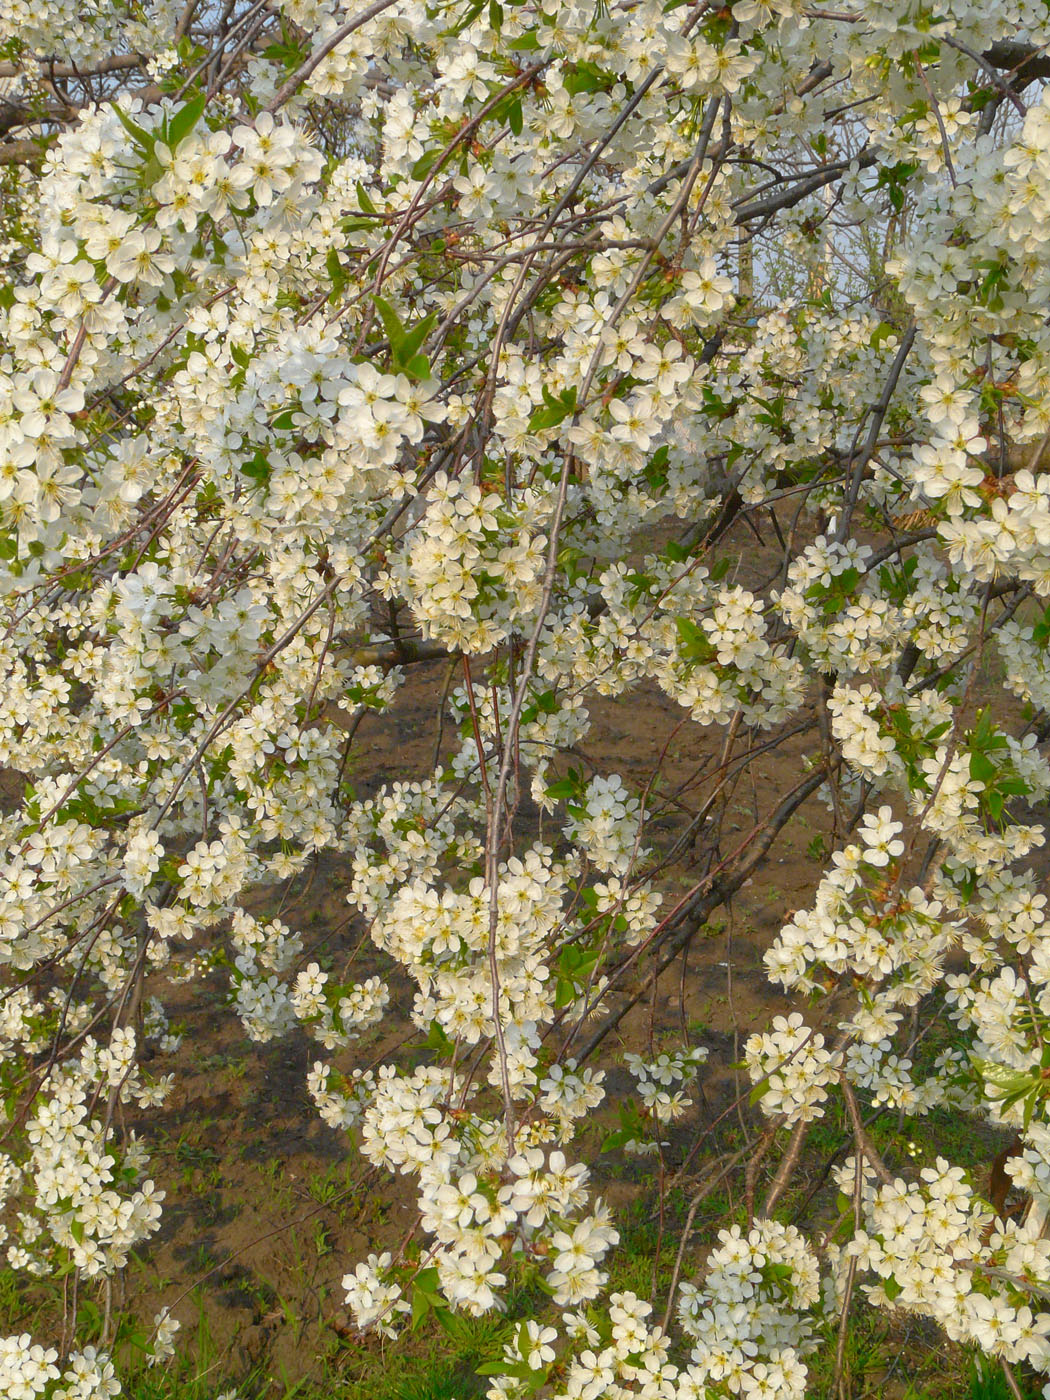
(697, 352)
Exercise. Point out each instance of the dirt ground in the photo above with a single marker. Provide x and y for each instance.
(268, 1207)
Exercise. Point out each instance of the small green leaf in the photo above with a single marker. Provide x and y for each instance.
(418, 367)
(257, 468)
(562, 789)
(336, 273)
(883, 331)
(145, 140)
(425, 164)
(412, 339)
(586, 77)
(185, 119)
(395, 331)
(467, 20)
(555, 410)
(437, 1039)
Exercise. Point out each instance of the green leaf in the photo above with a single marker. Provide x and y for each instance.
(395, 331)
(257, 468)
(546, 703)
(632, 1126)
(364, 201)
(420, 1307)
(336, 272)
(693, 642)
(565, 992)
(982, 769)
(515, 118)
(289, 56)
(445, 1320)
(563, 789)
(883, 331)
(425, 163)
(893, 178)
(531, 40)
(184, 120)
(891, 1288)
(655, 468)
(418, 367)
(587, 77)
(426, 1296)
(555, 411)
(428, 1281)
(1013, 785)
(143, 139)
(437, 1039)
(412, 339)
(467, 20)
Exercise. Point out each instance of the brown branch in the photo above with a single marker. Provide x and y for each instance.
(1028, 61)
(400, 653)
(116, 63)
(22, 152)
(321, 53)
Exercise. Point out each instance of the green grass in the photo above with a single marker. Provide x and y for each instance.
(885, 1352)
(436, 1378)
(987, 1382)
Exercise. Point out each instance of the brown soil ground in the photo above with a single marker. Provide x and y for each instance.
(268, 1207)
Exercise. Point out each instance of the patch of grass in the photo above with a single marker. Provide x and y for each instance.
(868, 1360)
(884, 1352)
(196, 1375)
(223, 1062)
(987, 1382)
(329, 1186)
(431, 1365)
(887, 1354)
(21, 1299)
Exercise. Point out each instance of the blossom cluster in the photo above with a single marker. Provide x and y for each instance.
(584, 353)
